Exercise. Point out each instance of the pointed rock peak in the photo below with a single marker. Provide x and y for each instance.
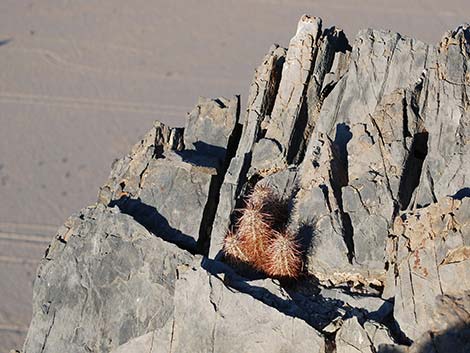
(309, 24)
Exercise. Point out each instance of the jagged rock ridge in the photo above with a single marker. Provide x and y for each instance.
(367, 141)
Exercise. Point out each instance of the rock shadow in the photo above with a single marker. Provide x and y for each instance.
(203, 155)
(302, 300)
(411, 174)
(341, 43)
(461, 194)
(232, 280)
(342, 137)
(456, 340)
(5, 41)
(306, 237)
(154, 222)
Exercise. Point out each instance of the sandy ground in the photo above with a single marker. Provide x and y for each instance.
(81, 81)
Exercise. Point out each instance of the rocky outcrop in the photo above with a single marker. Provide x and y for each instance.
(170, 162)
(365, 142)
(210, 317)
(220, 313)
(104, 280)
(444, 106)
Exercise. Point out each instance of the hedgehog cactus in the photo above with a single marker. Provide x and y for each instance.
(265, 198)
(283, 256)
(262, 196)
(233, 248)
(260, 239)
(254, 232)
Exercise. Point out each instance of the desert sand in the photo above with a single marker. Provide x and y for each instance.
(81, 81)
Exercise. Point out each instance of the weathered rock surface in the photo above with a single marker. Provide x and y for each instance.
(445, 109)
(376, 133)
(127, 172)
(280, 144)
(430, 253)
(353, 337)
(450, 330)
(104, 280)
(367, 144)
(168, 163)
(211, 318)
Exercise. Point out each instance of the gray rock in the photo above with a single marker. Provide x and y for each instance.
(444, 107)
(360, 90)
(211, 317)
(171, 190)
(220, 294)
(366, 306)
(378, 334)
(369, 337)
(174, 195)
(104, 280)
(429, 257)
(210, 126)
(152, 342)
(450, 331)
(382, 140)
(317, 214)
(352, 338)
(284, 182)
(127, 172)
(331, 64)
(145, 343)
(288, 126)
(375, 143)
(381, 168)
(227, 321)
(280, 142)
(310, 59)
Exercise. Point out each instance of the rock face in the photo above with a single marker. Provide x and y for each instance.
(168, 163)
(367, 144)
(431, 258)
(220, 313)
(209, 317)
(104, 280)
